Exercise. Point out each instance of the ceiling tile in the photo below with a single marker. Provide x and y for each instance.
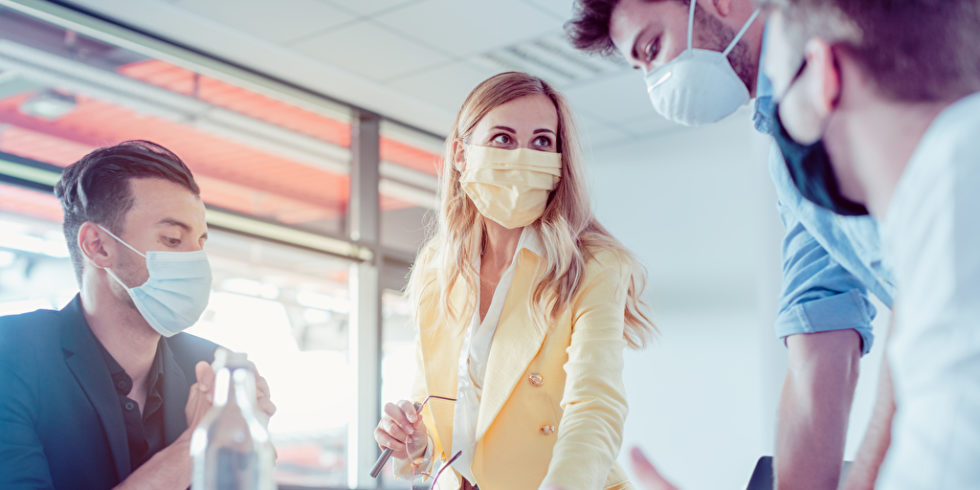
(370, 50)
(560, 9)
(270, 20)
(445, 86)
(613, 98)
(594, 133)
(648, 125)
(467, 28)
(371, 7)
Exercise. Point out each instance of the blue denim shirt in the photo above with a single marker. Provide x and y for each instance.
(830, 262)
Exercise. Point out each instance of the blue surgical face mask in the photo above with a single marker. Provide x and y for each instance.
(810, 167)
(176, 292)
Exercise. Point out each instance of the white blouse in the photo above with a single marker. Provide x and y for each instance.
(473, 360)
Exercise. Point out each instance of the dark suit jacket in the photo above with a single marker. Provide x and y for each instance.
(61, 424)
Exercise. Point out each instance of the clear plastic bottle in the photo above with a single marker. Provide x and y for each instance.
(230, 446)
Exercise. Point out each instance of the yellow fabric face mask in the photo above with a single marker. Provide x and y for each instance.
(510, 187)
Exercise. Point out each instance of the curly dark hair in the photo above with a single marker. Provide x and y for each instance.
(96, 187)
(588, 29)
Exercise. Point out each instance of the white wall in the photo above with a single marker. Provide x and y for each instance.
(698, 208)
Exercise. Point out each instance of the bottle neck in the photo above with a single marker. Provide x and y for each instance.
(235, 385)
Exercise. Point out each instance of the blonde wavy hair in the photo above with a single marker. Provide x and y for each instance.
(568, 229)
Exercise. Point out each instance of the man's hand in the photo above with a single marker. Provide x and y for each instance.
(646, 474)
(201, 395)
(263, 395)
(171, 467)
(814, 408)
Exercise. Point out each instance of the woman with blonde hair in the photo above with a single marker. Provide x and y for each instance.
(525, 304)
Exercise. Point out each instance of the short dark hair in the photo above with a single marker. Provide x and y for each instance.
(96, 188)
(913, 50)
(588, 29)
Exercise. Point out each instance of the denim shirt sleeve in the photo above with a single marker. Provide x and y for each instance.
(818, 294)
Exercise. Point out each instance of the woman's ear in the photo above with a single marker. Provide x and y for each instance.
(459, 155)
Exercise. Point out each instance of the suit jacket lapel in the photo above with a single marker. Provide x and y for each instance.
(175, 393)
(84, 358)
(515, 343)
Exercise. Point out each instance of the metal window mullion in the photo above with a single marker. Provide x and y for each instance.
(365, 327)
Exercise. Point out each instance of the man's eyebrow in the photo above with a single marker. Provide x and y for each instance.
(174, 222)
(180, 224)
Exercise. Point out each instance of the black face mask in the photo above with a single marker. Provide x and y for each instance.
(809, 167)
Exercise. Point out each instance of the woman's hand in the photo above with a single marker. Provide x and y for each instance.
(401, 429)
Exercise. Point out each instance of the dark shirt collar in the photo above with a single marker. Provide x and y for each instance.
(123, 382)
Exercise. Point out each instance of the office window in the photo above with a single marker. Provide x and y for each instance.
(63, 94)
(273, 163)
(398, 359)
(289, 309)
(35, 271)
(409, 163)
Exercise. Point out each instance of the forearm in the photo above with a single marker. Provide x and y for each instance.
(864, 470)
(593, 401)
(590, 431)
(587, 446)
(168, 469)
(814, 408)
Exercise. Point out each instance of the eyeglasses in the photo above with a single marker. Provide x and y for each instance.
(423, 474)
(380, 463)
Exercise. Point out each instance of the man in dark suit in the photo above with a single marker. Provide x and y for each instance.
(106, 392)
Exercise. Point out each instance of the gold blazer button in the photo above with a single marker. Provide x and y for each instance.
(535, 379)
(547, 430)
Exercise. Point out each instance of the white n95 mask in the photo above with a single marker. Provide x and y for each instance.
(176, 292)
(699, 86)
(510, 187)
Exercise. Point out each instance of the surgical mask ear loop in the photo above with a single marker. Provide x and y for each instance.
(120, 240)
(741, 32)
(731, 45)
(690, 26)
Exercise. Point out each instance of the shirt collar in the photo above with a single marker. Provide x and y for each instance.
(531, 241)
(763, 94)
(123, 382)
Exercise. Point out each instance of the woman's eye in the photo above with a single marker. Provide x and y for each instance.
(542, 141)
(502, 139)
(171, 242)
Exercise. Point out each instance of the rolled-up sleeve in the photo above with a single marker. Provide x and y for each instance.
(818, 294)
(590, 432)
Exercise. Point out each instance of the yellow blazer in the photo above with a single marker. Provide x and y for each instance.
(553, 403)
